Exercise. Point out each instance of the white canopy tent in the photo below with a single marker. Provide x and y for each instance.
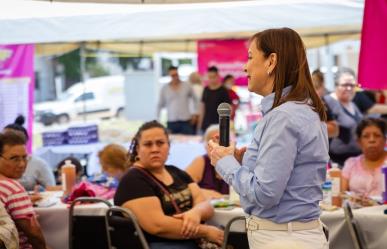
(58, 22)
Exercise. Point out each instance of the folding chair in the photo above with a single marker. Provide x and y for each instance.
(88, 230)
(354, 228)
(124, 230)
(235, 239)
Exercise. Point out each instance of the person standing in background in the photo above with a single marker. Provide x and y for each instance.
(175, 97)
(197, 85)
(279, 176)
(229, 83)
(213, 94)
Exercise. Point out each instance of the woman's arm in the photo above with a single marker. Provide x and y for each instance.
(344, 184)
(265, 184)
(333, 128)
(196, 168)
(201, 205)
(211, 194)
(152, 219)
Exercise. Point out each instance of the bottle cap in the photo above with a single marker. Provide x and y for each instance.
(335, 165)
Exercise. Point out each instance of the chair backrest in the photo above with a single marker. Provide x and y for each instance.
(354, 228)
(235, 239)
(124, 230)
(88, 230)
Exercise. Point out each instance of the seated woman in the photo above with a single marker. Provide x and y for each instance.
(114, 162)
(202, 172)
(168, 204)
(38, 172)
(362, 174)
(347, 115)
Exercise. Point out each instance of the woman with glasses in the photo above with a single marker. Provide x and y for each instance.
(13, 162)
(37, 173)
(348, 116)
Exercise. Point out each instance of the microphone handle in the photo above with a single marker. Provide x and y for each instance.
(224, 131)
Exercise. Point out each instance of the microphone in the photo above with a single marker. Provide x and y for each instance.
(224, 112)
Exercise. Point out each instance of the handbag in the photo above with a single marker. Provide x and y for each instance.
(201, 242)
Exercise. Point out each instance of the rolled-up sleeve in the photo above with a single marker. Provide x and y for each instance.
(263, 176)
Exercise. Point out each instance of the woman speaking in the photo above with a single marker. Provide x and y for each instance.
(280, 174)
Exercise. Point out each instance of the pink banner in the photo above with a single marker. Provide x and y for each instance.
(229, 56)
(373, 50)
(17, 85)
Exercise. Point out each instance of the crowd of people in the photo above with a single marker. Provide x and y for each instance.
(278, 176)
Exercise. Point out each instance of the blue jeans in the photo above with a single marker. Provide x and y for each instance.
(180, 127)
(178, 244)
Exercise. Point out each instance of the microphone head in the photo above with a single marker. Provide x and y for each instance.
(224, 109)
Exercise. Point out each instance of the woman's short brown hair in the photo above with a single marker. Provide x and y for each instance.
(113, 155)
(292, 68)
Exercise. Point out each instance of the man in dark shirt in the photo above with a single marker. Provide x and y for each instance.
(213, 94)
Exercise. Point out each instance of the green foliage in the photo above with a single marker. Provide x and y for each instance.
(71, 63)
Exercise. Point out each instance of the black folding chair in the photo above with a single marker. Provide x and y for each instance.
(354, 228)
(235, 239)
(88, 230)
(124, 230)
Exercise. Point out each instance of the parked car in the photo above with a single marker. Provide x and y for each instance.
(103, 96)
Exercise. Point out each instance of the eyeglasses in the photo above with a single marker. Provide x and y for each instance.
(347, 85)
(17, 159)
(174, 75)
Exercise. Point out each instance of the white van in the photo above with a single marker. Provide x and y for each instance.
(103, 96)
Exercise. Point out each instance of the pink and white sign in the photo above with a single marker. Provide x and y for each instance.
(373, 50)
(16, 84)
(229, 56)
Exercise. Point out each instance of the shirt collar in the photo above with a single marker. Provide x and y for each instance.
(267, 102)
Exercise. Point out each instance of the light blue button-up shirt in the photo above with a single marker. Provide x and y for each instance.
(284, 166)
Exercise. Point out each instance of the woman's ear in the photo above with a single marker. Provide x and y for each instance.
(272, 63)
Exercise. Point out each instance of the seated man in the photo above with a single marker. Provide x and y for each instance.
(13, 161)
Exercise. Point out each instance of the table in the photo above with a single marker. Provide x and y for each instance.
(372, 221)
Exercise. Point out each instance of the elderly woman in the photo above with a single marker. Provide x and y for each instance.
(362, 174)
(347, 115)
(168, 204)
(202, 172)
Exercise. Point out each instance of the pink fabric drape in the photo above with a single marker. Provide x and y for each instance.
(373, 50)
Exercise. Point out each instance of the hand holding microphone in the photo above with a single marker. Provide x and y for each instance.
(217, 151)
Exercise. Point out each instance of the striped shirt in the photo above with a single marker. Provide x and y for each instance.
(17, 203)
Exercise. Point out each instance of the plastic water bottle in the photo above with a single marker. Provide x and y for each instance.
(327, 193)
(384, 182)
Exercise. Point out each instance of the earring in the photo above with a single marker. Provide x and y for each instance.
(268, 72)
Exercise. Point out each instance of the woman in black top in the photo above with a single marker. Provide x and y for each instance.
(168, 204)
